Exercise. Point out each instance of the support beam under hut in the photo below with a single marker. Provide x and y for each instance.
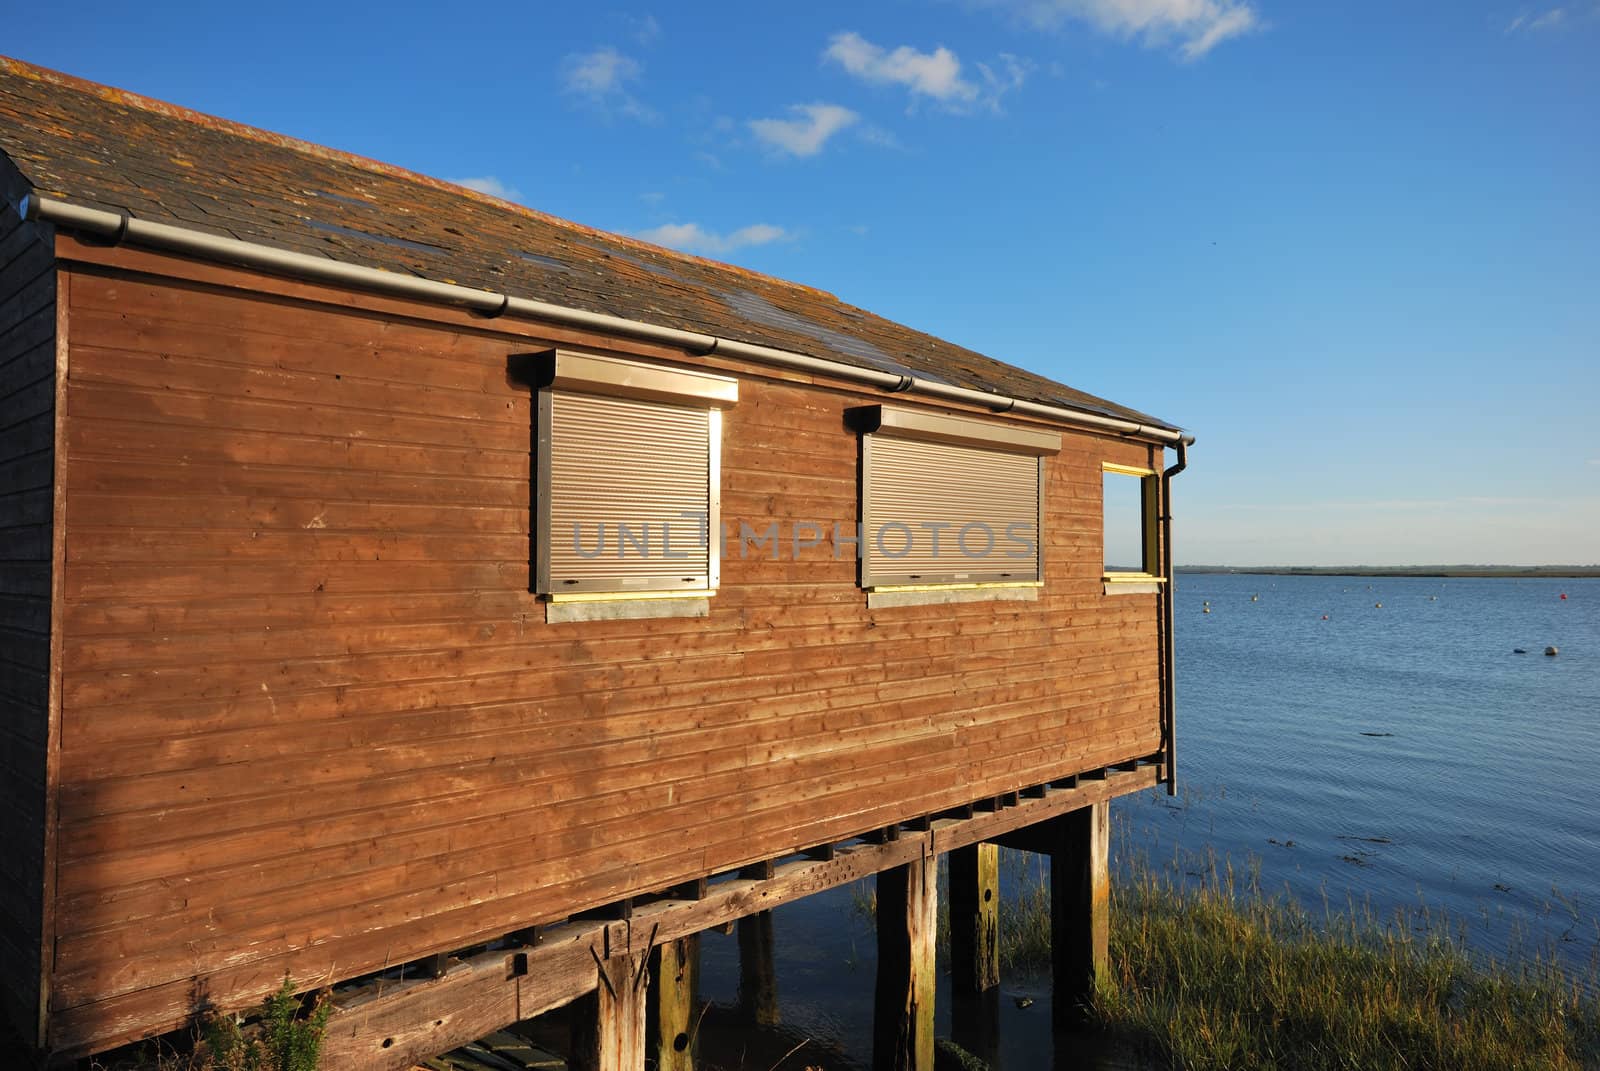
(902, 1021)
(1080, 909)
(673, 996)
(608, 1025)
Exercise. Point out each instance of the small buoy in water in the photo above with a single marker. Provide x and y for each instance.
(1518, 650)
(1563, 595)
(1552, 651)
(1255, 598)
(1324, 617)
(1435, 598)
(1205, 609)
(1377, 606)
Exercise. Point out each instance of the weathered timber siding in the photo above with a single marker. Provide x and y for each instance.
(27, 429)
(313, 721)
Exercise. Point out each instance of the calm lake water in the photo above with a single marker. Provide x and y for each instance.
(1400, 757)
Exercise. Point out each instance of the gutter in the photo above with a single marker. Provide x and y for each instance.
(1169, 678)
(119, 227)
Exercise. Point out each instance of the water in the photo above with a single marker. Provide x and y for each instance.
(1396, 757)
(1475, 800)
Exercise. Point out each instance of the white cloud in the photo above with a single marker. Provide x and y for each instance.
(1197, 26)
(807, 132)
(600, 78)
(693, 238)
(935, 75)
(602, 71)
(1008, 73)
(490, 185)
(1547, 20)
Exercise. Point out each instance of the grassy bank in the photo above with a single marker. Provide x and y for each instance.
(1205, 974)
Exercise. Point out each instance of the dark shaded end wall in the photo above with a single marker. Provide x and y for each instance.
(27, 464)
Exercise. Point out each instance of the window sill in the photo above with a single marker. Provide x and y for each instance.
(949, 594)
(1132, 584)
(627, 607)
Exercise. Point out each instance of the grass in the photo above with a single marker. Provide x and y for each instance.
(1207, 971)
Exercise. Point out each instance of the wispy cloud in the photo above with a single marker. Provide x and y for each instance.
(645, 29)
(1594, 461)
(1549, 19)
(1196, 26)
(490, 185)
(601, 79)
(693, 238)
(935, 76)
(806, 131)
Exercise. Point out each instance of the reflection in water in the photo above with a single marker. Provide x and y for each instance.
(975, 1024)
(822, 952)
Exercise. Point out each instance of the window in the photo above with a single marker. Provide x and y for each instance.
(1129, 505)
(628, 462)
(949, 500)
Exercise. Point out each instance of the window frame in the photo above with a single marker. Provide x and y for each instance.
(1149, 525)
(573, 373)
(963, 432)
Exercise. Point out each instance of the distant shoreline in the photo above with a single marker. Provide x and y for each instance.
(1554, 572)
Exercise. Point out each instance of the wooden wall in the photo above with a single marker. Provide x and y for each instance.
(27, 457)
(314, 722)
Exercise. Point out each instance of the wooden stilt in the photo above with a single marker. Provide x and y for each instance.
(608, 1024)
(975, 918)
(670, 1017)
(758, 972)
(902, 1021)
(1080, 909)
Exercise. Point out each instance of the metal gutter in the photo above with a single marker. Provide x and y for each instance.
(119, 227)
(1169, 704)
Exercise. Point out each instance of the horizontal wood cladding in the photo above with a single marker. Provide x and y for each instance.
(314, 721)
(27, 460)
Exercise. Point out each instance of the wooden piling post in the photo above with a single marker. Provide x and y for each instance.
(758, 972)
(902, 1021)
(975, 918)
(608, 1025)
(1080, 909)
(674, 990)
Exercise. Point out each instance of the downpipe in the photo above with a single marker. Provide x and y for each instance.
(1169, 676)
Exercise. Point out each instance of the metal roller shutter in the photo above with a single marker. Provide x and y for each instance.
(622, 475)
(937, 512)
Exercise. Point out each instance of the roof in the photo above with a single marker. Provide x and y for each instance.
(100, 147)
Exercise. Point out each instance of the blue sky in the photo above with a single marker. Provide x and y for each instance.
(1355, 247)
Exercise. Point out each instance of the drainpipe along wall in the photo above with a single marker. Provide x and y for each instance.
(1168, 693)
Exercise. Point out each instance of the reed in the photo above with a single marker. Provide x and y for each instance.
(1210, 971)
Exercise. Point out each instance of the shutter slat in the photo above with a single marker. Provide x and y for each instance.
(915, 483)
(620, 462)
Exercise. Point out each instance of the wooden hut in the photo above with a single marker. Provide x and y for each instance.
(390, 574)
